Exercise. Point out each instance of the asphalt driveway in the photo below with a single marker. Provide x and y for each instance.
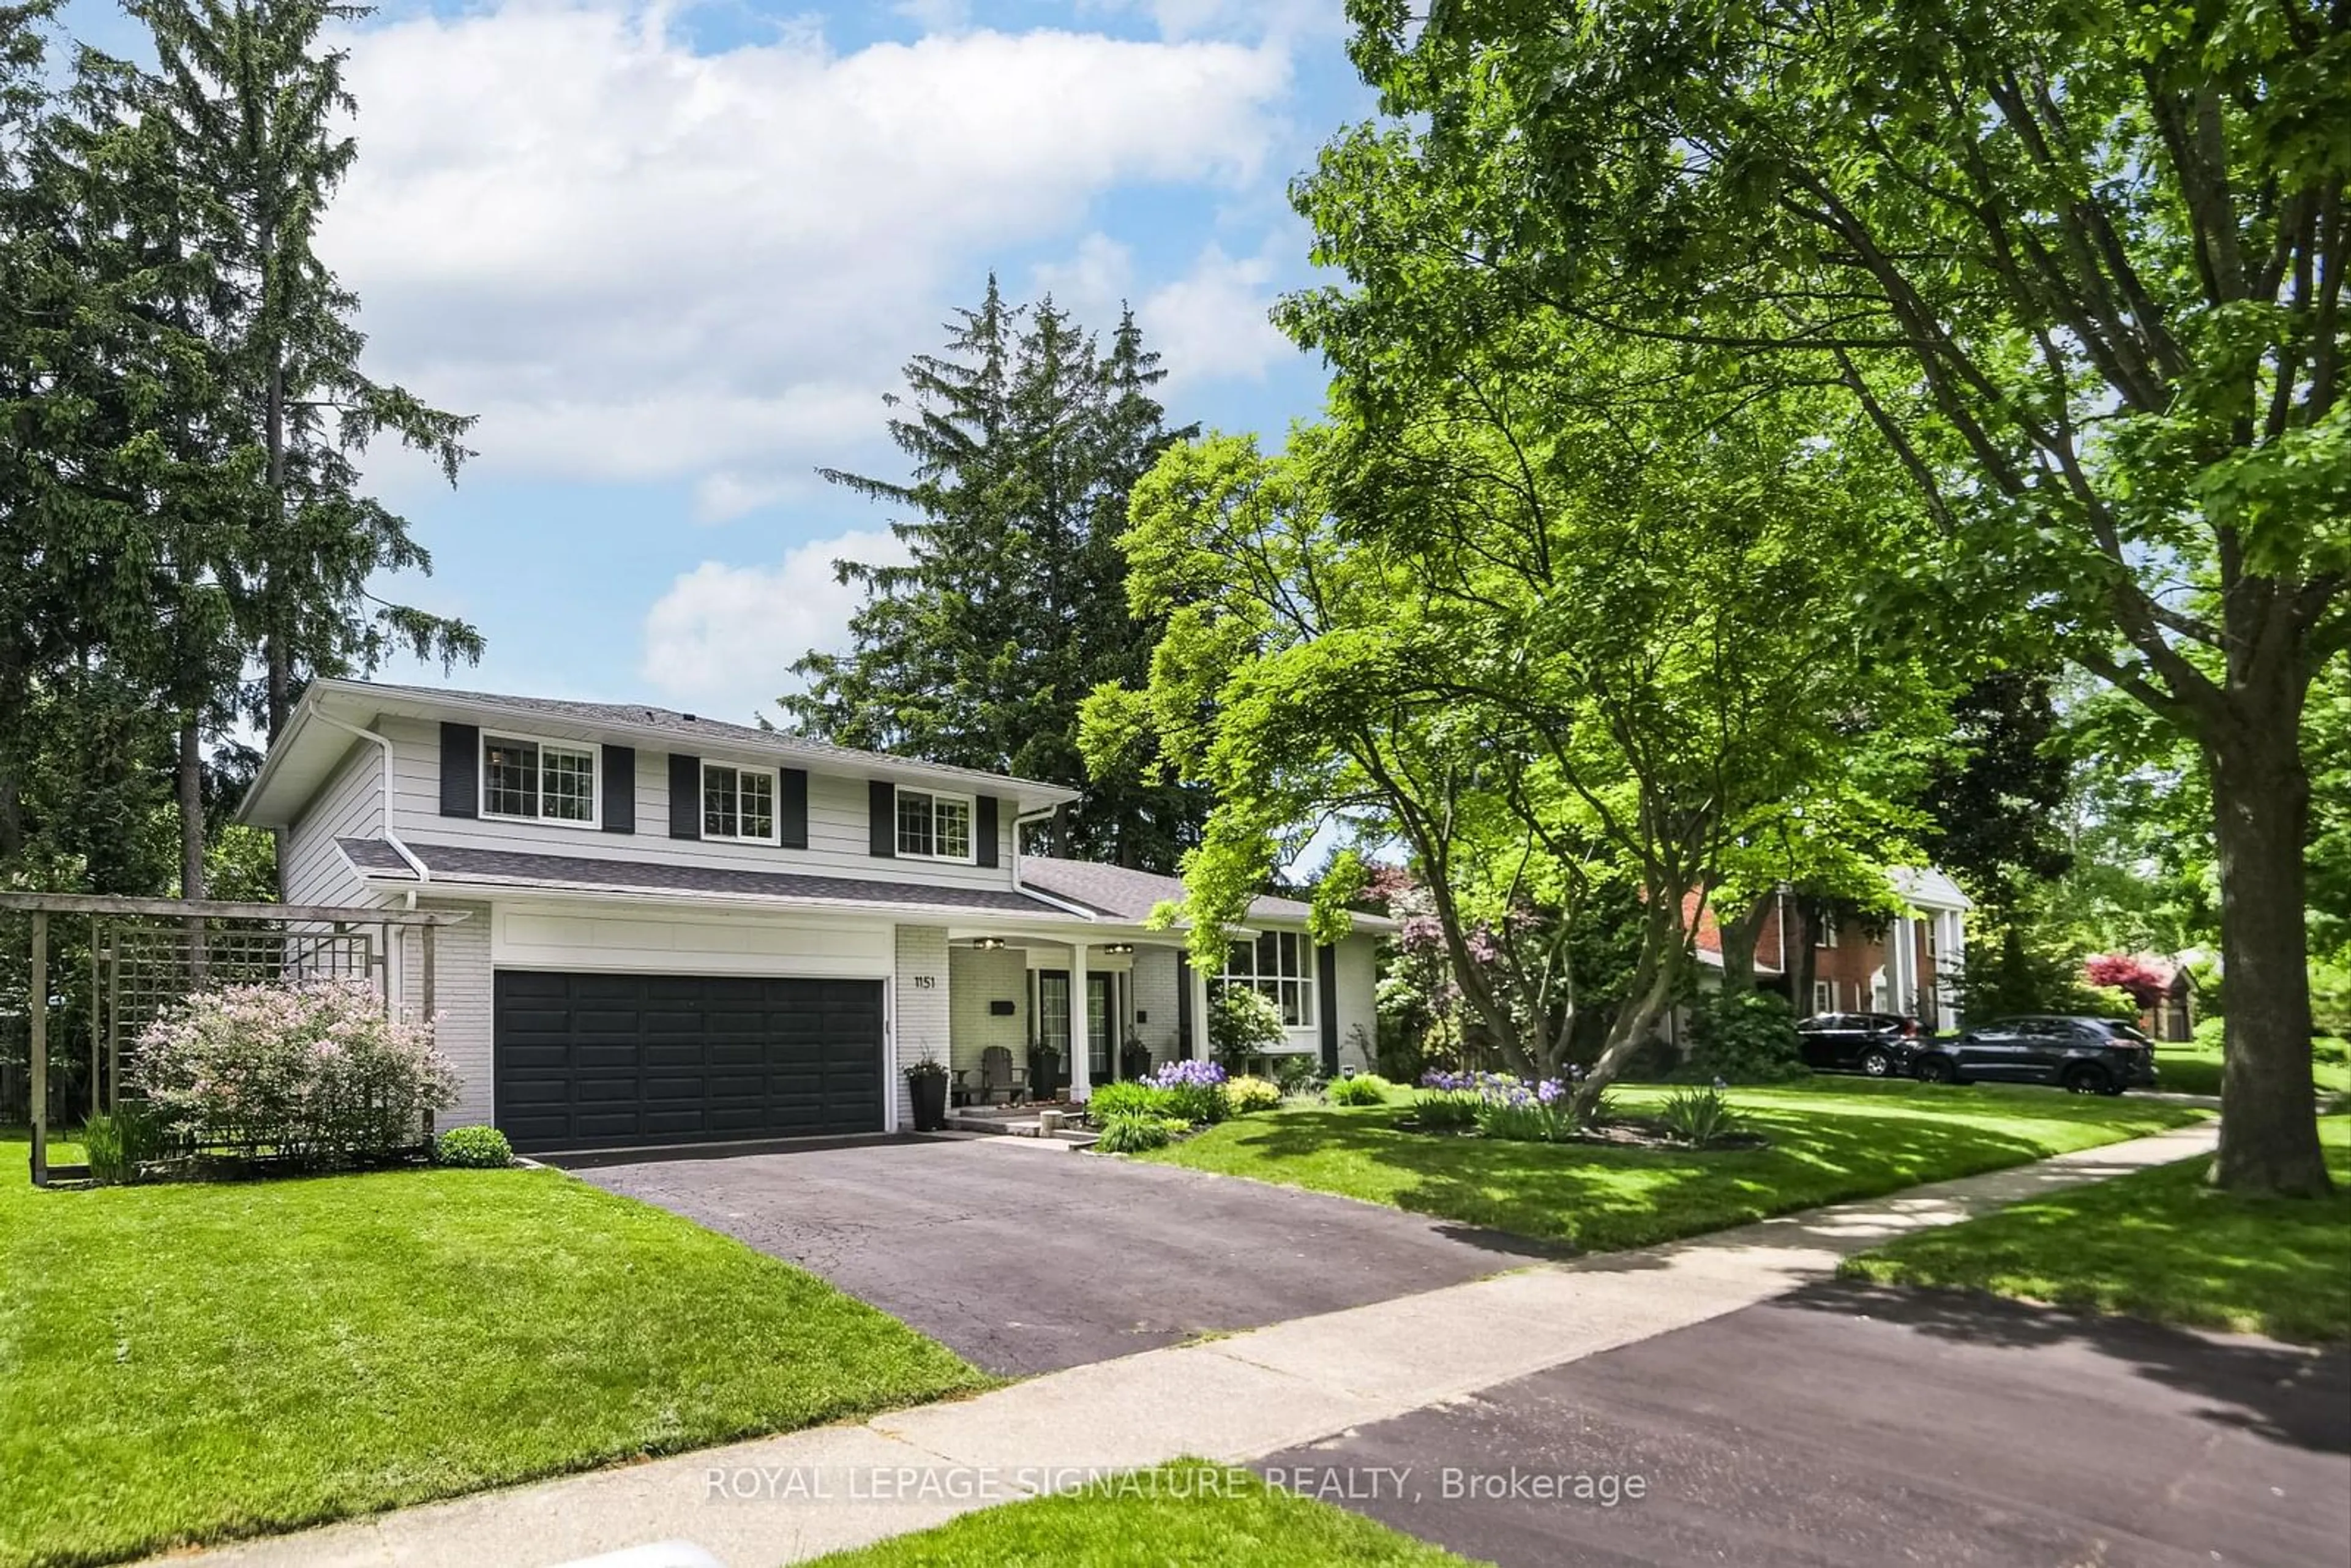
(1863, 1426)
(1028, 1259)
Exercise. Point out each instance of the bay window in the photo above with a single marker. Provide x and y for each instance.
(1281, 965)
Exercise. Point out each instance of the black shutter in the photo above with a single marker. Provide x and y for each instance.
(620, 789)
(1183, 1006)
(791, 808)
(684, 796)
(1326, 980)
(881, 818)
(984, 831)
(461, 770)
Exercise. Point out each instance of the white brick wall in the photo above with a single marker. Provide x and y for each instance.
(919, 1012)
(975, 978)
(1155, 997)
(461, 997)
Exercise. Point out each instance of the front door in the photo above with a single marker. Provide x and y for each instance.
(1053, 1026)
(1101, 1057)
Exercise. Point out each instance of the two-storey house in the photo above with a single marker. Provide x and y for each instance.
(681, 930)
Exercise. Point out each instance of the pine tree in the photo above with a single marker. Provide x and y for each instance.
(120, 519)
(247, 101)
(1025, 438)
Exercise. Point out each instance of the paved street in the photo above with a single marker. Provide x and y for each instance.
(1855, 1425)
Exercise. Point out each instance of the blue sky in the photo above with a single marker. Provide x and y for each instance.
(672, 257)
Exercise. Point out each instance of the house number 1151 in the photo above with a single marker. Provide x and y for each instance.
(926, 982)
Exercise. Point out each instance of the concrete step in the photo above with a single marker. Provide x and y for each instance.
(1020, 1127)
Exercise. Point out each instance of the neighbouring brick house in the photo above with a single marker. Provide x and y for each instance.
(1910, 966)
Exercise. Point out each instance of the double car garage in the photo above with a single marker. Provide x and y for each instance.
(588, 1060)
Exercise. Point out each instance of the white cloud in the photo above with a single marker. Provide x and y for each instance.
(634, 261)
(1256, 19)
(1212, 323)
(724, 637)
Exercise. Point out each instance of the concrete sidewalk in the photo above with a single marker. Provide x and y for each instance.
(782, 1499)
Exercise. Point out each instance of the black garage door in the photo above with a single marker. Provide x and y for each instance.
(605, 1060)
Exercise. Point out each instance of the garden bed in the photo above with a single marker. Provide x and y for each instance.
(1829, 1142)
(1627, 1133)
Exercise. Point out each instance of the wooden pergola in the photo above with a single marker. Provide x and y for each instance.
(148, 955)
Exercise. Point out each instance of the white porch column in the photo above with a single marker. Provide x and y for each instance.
(1080, 1058)
(1198, 978)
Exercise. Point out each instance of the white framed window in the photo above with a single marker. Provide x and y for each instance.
(934, 827)
(738, 803)
(540, 781)
(1828, 931)
(1824, 996)
(1281, 964)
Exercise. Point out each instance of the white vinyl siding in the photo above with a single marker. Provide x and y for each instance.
(837, 805)
(350, 807)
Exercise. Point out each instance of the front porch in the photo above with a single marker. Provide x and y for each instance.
(1034, 1019)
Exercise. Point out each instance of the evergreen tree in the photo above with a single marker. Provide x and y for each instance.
(1025, 437)
(119, 518)
(244, 100)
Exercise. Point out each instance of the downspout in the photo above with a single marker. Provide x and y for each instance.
(422, 874)
(1020, 884)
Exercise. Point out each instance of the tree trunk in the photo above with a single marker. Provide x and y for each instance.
(1740, 933)
(1798, 959)
(2260, 796)
(191, 812)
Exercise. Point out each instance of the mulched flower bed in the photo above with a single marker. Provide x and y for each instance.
(1632, 1132)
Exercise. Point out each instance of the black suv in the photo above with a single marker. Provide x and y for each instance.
(1878, 1044)
(2088, 1056)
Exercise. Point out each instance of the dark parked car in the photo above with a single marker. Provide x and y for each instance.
(1878, 1044)
(2088, 1056)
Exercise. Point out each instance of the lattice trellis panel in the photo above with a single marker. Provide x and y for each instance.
(144, 968)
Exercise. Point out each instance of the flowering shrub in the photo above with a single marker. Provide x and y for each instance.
(1502, 1104)
(1242, 1023)
(314, 1072)
(1363, 1089)
(1245, 1094)
(1194, 1092)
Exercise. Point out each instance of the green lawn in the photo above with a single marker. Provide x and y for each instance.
(2158, 1244)
(1832, 1139)
(186, 1363)
(2191, 1068)
(1188, 1511)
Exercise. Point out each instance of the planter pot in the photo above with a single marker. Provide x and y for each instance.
(930, 1097)
(1044, 1073)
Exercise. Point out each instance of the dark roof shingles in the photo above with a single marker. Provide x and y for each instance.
(510, 866)
(1123, 894)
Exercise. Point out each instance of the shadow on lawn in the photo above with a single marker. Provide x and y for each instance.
(2300, 1397)
(1602, 1197)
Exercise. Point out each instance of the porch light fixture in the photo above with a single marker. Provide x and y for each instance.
(988, 943)
(1118, 948)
